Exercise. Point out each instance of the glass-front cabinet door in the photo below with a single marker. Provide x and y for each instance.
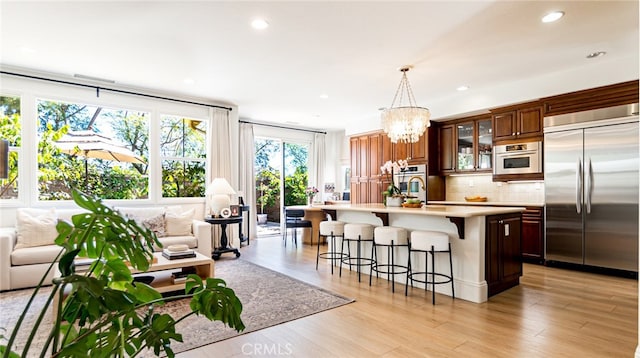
(485, 149)
(465, 146)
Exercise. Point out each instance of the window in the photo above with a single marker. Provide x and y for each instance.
(101, 151)
(10, 130)
(183, 153)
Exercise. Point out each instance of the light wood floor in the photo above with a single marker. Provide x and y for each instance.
(553, 313)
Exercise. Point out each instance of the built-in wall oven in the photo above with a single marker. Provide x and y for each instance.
(519, 158)
(412, 181)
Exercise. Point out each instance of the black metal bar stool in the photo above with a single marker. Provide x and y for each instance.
(430, 243)
(357, 233)
(330, 230)
(391, 238)
(293, 220)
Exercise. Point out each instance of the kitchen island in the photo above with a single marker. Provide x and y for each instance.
(485, 241)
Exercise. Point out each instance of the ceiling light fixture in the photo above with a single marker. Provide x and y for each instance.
(552, 16)
(462, 88)
(324, 96)
(259, 24)
(405, 123)
(596, 54)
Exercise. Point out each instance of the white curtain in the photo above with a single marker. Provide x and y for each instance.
(247, 182)
(218, 158)
(319, 163)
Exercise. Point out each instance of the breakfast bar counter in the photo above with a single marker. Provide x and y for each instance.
(469, 228)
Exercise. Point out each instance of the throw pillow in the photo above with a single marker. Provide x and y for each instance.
(155, 224)
(35, 227)
(179, 224)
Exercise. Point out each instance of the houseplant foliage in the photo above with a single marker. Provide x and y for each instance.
(389, 168)
(105, 312)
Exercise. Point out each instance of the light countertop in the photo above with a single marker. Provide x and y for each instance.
(485, 203)
(461, 211)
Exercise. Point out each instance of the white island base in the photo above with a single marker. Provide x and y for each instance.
(468, 253)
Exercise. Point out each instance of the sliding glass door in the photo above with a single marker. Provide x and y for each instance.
(280, 167)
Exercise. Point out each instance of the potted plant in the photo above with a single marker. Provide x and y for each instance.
(268, 189)
(393, 196)
(102, 312)
(262, 200)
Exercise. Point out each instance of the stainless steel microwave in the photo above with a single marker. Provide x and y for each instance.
(519, 158)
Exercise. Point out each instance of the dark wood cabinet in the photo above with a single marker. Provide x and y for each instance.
(523, 122)
(593, 98)
(503, 259)
(368, 153)
(533, 235)
(466, 146)
(447, 149)
(424, 151)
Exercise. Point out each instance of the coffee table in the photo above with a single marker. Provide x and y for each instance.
(161, 270)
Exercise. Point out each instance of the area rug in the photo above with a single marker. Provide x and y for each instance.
(268, 298)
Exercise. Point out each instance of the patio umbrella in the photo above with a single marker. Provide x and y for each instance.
(93, 145)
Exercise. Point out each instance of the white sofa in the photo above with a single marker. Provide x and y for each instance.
(27, 250)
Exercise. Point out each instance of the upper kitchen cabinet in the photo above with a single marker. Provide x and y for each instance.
(593, 98)
(424, 151)
(516, 123)
(466, 146)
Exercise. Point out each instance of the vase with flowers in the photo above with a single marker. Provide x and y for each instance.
(311, 192)
(393, 196)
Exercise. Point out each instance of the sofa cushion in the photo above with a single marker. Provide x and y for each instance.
(156, 224)
(179, 224)
(34, 255)
(35, 227)
(167, 241)
(140, 214)
(67, 214)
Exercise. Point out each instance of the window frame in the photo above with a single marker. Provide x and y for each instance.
(32, 90)
(162, 158)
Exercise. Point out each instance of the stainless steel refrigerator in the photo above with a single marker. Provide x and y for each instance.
(591, 188)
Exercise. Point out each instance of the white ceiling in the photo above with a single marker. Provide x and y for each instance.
(348, 50)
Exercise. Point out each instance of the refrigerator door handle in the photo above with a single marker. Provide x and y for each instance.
(589, 193)
(579, 186)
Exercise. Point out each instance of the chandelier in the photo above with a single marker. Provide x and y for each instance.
(405, 123)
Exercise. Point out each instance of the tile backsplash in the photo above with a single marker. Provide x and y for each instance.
(457, 187)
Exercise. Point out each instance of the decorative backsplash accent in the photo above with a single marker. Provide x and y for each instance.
(457, 187)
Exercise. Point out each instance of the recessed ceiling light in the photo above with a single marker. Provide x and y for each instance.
(324, 96)
(189, 81)
(259, 24)
(462, 88)
(553, 16)
(596, 54)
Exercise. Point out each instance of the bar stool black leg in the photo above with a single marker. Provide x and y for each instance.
(406, 286)
(433, 276)
(453, 292)
(318, 257)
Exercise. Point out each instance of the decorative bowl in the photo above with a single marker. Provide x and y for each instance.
(412, 205)
(475, 198)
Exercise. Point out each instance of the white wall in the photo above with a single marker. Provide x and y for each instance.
(336, 158)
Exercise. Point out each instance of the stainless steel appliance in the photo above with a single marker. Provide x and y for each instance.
(412, 181)
(519, 158)
(591, 188)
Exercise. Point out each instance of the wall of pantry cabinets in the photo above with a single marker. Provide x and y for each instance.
(370, 151)
(465, 145)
